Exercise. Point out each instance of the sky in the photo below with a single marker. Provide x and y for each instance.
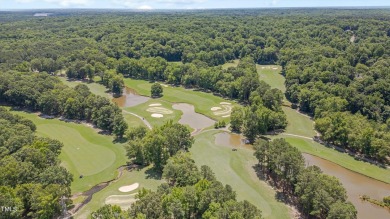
(182, 4)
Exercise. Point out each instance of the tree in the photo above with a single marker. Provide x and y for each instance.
(181, 170)
(236, 119)
(340, 210)
(156, 90)
(109, 212)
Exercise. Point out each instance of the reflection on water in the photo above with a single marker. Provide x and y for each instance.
(230, 139)
(356, 185)
(130, 98)
(190, 117)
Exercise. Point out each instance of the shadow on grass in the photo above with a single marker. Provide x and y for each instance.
(152, 173)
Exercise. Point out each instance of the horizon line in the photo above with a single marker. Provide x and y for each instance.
(186, 9)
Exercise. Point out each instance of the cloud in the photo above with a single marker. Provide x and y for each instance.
(145, 7)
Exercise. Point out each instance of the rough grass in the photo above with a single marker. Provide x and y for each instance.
(202, 101)
(235, 169)
(97, 157)
(145, 177)
(141, 110)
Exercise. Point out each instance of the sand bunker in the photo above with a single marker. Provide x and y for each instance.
(129, 188)
(164, 85)
(224, 111)
(275, 68)
(123, 201)
(155, 104)
(159, 110)
(226, 116)
(262, 67)
(157, 115)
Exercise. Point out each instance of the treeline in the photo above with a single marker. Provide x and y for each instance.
(317, 195)
(235, 82)
(32, 183)
(188, 193)
(45, 93)
(158, 145)
(262, 114)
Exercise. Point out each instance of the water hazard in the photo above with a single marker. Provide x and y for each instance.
(130, 98)
(190, 117)
(355, 183)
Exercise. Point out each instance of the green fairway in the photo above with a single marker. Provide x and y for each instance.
(142, 111)
(133, 121)
(94, 87)
(271, 75)
(203, 102)
(85, 152)
(235, 169)
(298, 124)
(144, 177)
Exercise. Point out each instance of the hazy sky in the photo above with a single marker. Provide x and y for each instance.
(182, 4)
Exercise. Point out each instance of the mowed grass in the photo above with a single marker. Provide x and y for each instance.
(145, 177)
(203, 102)
(271, 74)
(298, 124)
(342, 159)
(236, 169)
(141, 110)
(94, 87)
(85, 152)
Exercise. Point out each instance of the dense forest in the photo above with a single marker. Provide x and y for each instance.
(336, 62)
(47, 94)
(32, 182)
(337, 69)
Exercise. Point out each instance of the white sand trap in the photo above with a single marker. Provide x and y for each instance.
(275, 68)
(123, 201)
(155, 104)
(159, 110)
(215, 108)
(164, 85)
(262, 67)
(157, 115)
(227, 110)
(226, 116)
(129, 188)
(225, 103)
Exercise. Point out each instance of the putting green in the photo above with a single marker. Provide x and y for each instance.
(97, 157)
(145, 177)
(236, 169)
(203, 102)
(85, 157)
(146, 112)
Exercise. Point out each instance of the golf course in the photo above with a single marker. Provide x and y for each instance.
(233, 168)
